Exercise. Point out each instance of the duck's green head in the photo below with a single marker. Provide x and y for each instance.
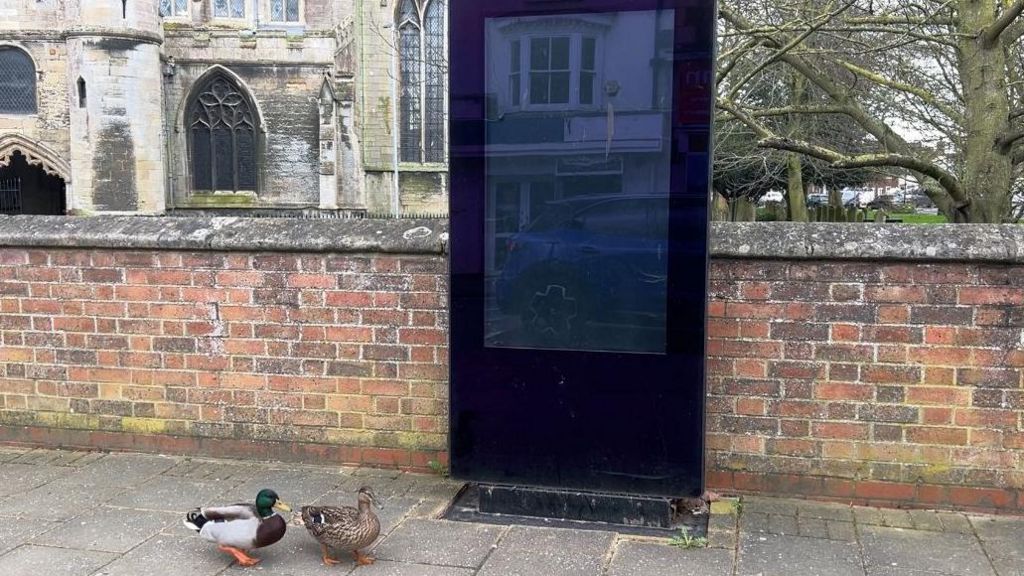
(267, 501)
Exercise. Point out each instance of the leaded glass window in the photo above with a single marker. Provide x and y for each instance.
(423, 64)
(284, 10)
(174, 8)
(17, 82)
(229, 8)
(223, 130)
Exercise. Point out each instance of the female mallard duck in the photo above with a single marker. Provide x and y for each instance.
(344, 528)
(241, 527)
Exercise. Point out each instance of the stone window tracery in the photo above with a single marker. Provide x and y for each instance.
(17, 82)
(223, 138)
(422, 68)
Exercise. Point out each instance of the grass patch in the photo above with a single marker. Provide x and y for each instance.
(915, 218)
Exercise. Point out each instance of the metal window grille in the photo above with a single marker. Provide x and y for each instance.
(222, 130)
(422, 70)
(17, 82)
(10, 196)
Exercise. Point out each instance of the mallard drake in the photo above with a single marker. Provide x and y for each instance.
(344, 528)
(241, 527)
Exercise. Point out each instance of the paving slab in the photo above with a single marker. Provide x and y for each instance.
(122, 469)
(174, 494)
(1003, 540)
(57, 500)
(16, 478)
(529, 551)
(825, 511)
(170, 556)
(959, 554)
(782, 524)
(296, 487)
(955, 522)
(211, 471)
(648, 559)
(107, 529)
(439, 542)
(883, 517)
(779, 555)
(926, 520)
(45, 561)
(14, 534)
(770, 506)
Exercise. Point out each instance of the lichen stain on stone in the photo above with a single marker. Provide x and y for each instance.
(417, 232)
(114, 167)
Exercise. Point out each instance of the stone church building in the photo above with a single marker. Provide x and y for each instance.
(223, 106)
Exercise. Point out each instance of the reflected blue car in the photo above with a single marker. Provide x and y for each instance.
(589, 259)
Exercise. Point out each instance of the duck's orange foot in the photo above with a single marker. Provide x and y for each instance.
(327, 556)
(363, 559)
(241, 557)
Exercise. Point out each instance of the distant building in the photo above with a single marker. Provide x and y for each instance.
(149, 106)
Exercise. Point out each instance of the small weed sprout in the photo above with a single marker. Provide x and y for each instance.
(685, 540)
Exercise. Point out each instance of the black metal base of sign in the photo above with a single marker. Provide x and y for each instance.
(531, 506)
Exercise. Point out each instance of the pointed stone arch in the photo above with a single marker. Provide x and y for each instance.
(36, 153)
(224, 134)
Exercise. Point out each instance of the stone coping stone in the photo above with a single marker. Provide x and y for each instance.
(848, 241)
(334, 235)
(1002, 243)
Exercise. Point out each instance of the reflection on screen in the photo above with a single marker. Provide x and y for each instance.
(577, 180)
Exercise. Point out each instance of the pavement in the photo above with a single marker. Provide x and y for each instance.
(119, 514)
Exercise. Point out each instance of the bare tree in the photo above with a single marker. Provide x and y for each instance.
(936, 85)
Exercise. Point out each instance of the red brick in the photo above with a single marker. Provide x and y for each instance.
(839, 430)
(884, 491)
(970, 496)
(844, 391)
(936, 435)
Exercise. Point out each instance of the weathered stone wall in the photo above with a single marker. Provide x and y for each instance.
(117, 160)
(283, 75)
(49, 126)
(422, 187)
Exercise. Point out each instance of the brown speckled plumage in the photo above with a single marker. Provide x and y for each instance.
(344, 528)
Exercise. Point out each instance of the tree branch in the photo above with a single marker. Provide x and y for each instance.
(990, 35)
(793, 43)
(921, 93)
(948, 181)
(1007, 140)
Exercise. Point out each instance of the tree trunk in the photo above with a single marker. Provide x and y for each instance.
(795, 189)
(797, 202)
(987, 170)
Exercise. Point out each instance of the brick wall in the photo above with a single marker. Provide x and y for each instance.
(333, 356)
(874, 381)
(835, 369)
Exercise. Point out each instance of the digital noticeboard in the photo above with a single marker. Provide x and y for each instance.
(580, 172)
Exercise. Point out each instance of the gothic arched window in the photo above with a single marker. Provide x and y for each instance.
(421, 48)
(223, 130)
(17, 82)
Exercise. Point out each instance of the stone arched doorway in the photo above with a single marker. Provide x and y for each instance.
(28, 189)
(33, 178)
